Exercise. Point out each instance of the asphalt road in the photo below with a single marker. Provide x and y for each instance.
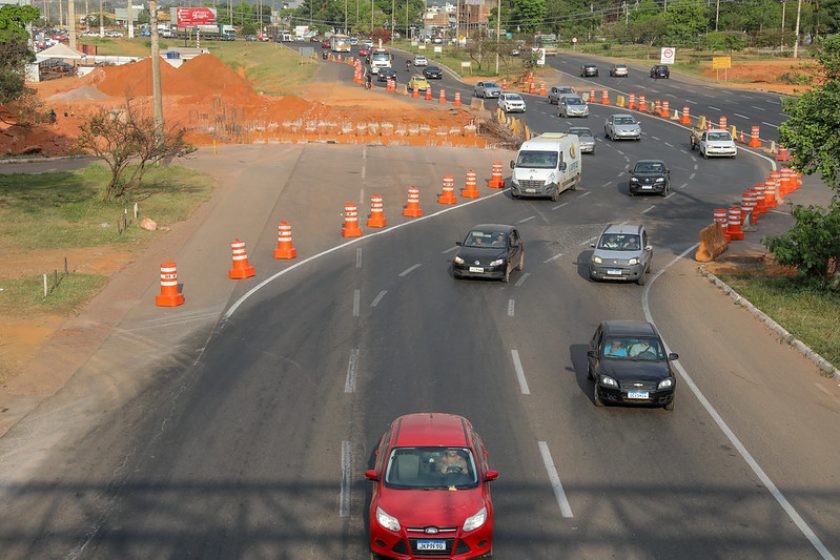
(258, 450)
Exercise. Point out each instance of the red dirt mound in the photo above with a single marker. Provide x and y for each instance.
(133, 79)
(207, 76)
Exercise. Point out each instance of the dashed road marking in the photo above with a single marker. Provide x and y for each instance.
(739, 115)
(608, 183)
(588, 241)
(357, 296)
(691, 177)
(528, 219)
(757, 107)
(669, 144)
(352, 365)
(619, 151)
(522, 279)
(684, 185)
(454, 248)
(511, 306)
(713, 108)
(559, 206)
(669, 196)
(769, 124)
(648, 209)
(520, 373)
(408, 270)
(656, 138)
(378, 298)
(346, 477)
(553, 258)
(690, 101)
(587, 193)
(554, 478)
(359, 257)
(696, 166)
(683, 150)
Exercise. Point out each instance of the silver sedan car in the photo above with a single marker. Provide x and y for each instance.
(622, 127)
(487, 90)
(586, 139)
(572, 106)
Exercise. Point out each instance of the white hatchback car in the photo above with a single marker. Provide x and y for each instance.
(420, 60)
(512, 103)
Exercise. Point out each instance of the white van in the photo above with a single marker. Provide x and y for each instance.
(546, 166)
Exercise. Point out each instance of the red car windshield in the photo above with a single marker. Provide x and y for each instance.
(431, 468)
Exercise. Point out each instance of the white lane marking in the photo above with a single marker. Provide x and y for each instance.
(520, 373)
(656, 138)
(608, 183)
(357, 297)
(769, 124)
(691, 177)
(653, 90)
(669, 196)
(739, 115)
(587, 193)
(346, 468)
(554, 478)
(778, 212)
(696, 166)
(352, 364)
(588, 241)
(619, 151)
(669, 144)
(621, 174)
(408, 270)
(359, 257)
(648, 209)
(522, 279)
(455, 248)
(361, 197)
(683, 150)
(511, 306)
(364, 171)
(727, 431)
(759, 108)
(378, 298)
(684, 185)
(714, 108)
(528, 219)
(690, 101)
(554, 258)
(559, 206)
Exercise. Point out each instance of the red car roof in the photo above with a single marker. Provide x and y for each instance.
(431, 428)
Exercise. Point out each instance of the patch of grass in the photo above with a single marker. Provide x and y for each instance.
(806, 310)
(452, 57)
(27, 294)
(272, 68)
(118, 47)
(64, 209)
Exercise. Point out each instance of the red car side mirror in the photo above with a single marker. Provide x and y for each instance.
(491, 475)
(371, 475)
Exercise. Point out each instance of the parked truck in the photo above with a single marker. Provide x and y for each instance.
(208, 32)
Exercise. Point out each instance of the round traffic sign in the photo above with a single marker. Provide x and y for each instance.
(574, 39)
(668, 52)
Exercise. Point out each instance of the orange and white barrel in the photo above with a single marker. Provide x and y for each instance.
(351, 221)
(169, 295)
(377, 213)
(447, 196)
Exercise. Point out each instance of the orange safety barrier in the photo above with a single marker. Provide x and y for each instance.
(788, 180)
(457, 102)
(666, 109)
(497, 180)
(770, 193)
(748, 207)
(447, 196)
(631, 101)
(591, 96)
(412, 208)
(657, 107)
(429, 93)
(760, 190)
(241, 269)
(720, 220)
(734, 224)
(685, 117)
(605, 97)
(169, 295)
(542, 89)
(284, 249)
(783, 156)
(377, 213)
(755, 141)
(642, 104)
(415, 93)
(339, 57)
(470, 189)
(351, 221)
(723, 123)
(532, 87)
(442, 97)
(776, 181)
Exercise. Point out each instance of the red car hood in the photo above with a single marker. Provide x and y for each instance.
(441, 508)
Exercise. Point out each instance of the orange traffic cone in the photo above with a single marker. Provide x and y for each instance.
(448, 194)
(666, 109)
(605, 97)
(470, 189)
(457, 102)
(241, 269)
(429, 93)
(284, 249)
(532, 88)
(685, 118)
(415, 93)
(631, 103)
(542, 89)
(351, 221)
(642, 104)
(169, 294)
(412, 208)
(442, 98)
(497, 181)
(377, 214)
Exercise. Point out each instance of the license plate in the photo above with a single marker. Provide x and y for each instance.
(431, 545)
(476, 269)
(530, 190)
(647, 186)
(612, 272)
(637, 394)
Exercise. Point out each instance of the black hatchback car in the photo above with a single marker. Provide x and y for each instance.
(385, 73)
(660, 71)
(650, 176)
(628, 364)
(489, 251)
(432, 73)
(588, 70)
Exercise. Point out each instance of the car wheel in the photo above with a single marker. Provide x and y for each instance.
(555, 196)
(576, 183)
(506, 279)
(670, 406)
(665, 191)
(641, 279)
(705, 155)
(589, 372)
(521, 266)
(595, 398)
(649, 266)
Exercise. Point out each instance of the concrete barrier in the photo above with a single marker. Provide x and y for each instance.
(712, 243)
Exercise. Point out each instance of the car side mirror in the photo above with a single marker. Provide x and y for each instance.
(648, 247)
(673, 356)
(491, 475)
(592, 245)
(592, 353)
(371, 475)
(562, 166)
(512, 164)
(458, 243)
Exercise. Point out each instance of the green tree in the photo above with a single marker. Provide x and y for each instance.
(242, 13)
(812, 245)
(14, 54)
(13, 22)
(811, 131)
(685, 20)
(527, 15)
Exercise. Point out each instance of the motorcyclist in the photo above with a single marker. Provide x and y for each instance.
(408, 66)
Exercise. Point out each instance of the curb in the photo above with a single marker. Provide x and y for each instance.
(824, 365)
(4, 161)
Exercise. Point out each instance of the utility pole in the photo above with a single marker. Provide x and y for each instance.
(87, 13)
(71, 15)
(796, 39)
(371, 16)
(782, 46)
(717, 13)
(230, 11)
(498, 31)
(130, 17)
(156, 89)
(406, 20)
(345, 18)
(60, 14)
(393, 21)
(101, 21)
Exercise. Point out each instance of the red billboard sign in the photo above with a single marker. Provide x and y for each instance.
(189, 17)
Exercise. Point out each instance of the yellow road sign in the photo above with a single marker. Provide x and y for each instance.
(721, 62)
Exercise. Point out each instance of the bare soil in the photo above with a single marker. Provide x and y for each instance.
(765, 75)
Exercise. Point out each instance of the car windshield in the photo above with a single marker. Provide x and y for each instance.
(431, 468)
(489, 84)
(619, 242)
(719, 136)
(581, 132)
(624, 120)
(620, 66)
(574, 101)
(566, 90)
(535, 159)
(486, 239)
(432, 69)
(633, 348)
(378, 56)
(513, 97)
(649, 167)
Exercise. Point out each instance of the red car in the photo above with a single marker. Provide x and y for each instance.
(431, 497)
(364, 50)
(325, 44)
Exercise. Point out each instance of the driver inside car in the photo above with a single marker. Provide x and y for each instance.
(452, 463)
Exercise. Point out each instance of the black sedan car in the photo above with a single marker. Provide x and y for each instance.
(628, 364)
(385, 73)
(489, 251)
(650, 176)
(589, 70)
(432, 73)
(660, 71)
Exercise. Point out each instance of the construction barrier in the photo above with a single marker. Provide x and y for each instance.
(760, 190)
(685, 117)
(447, 196)
(429, 93)
(734, 224)
(748, 205)
(532, 88)
(723, 123)
(631, 104)
(457, 102)
(470, 189)
(412, 208)
(755, 141)
(721, 221)
(642, 104)
(657, 107)
(351, 221)
(666, 110)
(377, 213)
(701, 122)
(241, 269)
(712, 242)
(784, 155)
(605, 97)
(284, 249)
(442, 98)
(542, 89)
(169, 295)
(619, 101)
(497, 181)
(415, 93)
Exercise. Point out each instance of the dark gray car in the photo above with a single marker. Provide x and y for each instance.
(556, 92)
(650, 176)
(622, 252)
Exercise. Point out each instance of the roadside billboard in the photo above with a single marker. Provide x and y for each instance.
(190, 17)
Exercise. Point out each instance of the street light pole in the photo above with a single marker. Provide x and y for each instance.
(156, 89)
(782, 46)
(796, 39)
(393, 21)
(717, 13)
(498, 31)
